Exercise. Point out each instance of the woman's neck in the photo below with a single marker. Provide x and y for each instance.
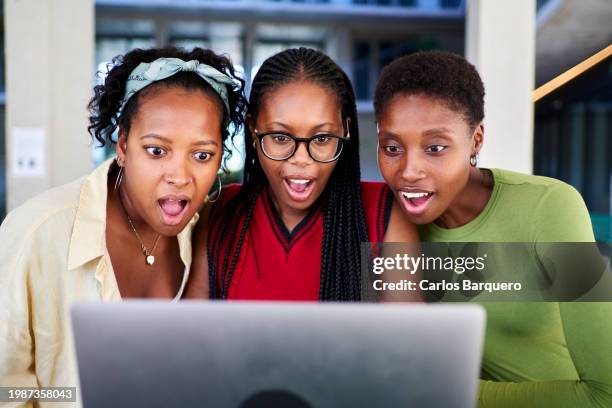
(122, 208)
(470, 202)
(290, 216)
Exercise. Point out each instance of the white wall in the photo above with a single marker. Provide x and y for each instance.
(49, 78)
(500, 42)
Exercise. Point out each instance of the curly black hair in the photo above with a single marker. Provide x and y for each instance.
(104, 106)
(344, 227)
(445, 76)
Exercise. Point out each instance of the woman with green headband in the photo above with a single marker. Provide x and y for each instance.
(124, 231)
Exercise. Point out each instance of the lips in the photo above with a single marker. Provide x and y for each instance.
(173, 209)
(415, 202)
(299, 188)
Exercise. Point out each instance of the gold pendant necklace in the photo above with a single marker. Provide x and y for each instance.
(149, 258)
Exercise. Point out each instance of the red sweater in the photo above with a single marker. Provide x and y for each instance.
(277, 265)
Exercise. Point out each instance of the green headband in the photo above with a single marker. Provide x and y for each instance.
(147, 73)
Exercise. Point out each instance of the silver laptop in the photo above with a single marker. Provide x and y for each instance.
(291, 355)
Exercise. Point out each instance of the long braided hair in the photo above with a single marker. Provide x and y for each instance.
(344, 225)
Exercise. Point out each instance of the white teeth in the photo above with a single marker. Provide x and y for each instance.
(298, 181)
(414, 195)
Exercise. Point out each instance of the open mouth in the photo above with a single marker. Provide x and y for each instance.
(415, 202)
(299, 189)
(173, 210)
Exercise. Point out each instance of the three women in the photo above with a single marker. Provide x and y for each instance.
(293, 230)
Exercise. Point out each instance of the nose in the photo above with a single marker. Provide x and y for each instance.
(413, 169)
(301, 155)
(178, 173)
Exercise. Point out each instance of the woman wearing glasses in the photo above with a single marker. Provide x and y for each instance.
(293, 230)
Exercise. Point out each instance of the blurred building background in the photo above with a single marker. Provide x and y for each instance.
(361, 35)
(573, 134)
(517, 46)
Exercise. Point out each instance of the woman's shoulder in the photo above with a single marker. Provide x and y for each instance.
(513, 178)
(374, 191)
(553, 208)
(218, 210)
(228, 193)
(49, 210)
(39, 228)
(547, 190)
(368, 186)
(58, 202)
(376, 196)
(377, 204)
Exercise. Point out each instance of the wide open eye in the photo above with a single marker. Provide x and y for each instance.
(203, 156)
(392, 149)
(322, 140)
(435, 148)
(279, 139)
(156, 151)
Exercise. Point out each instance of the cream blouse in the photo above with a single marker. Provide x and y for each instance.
(53, 253)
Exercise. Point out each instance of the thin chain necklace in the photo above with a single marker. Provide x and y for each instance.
(149, 258)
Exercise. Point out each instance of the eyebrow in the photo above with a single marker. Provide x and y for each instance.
(165, 139)
(388, 134)
(437, 132)
(206, 143)
(154, 136)
(287, 127)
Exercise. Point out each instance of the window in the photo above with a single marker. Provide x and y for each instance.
(402, 3)
(271, 39)
(572, 141)
(371, 56)
(451, 3)
(361, 70)
(540, 4)
(189, 34)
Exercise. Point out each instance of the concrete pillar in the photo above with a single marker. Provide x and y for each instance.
(340, 47)
(49, 79)
(500, 42)
(250, 39)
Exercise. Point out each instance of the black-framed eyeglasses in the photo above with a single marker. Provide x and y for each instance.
(322, 147)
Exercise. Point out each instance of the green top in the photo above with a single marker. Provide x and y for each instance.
(538, 354)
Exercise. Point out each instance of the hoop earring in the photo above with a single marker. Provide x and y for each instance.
(119, 176)
(474, 160)
(348, 129)
(208, 199)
